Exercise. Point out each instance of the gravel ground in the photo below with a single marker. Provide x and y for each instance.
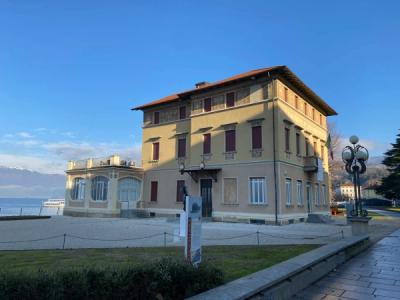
(107, 233)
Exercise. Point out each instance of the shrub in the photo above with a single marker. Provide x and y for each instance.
(164, 279)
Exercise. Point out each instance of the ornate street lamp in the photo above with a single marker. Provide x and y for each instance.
(354, 158)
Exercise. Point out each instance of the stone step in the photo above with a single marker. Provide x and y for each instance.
(318, 218)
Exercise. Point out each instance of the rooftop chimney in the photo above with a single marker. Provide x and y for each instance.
(201, 84)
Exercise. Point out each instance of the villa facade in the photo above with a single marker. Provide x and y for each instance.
(252, 145)
(102, 187)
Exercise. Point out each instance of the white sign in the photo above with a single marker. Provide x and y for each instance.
(193, 229)
(320, 174)
(182, 224)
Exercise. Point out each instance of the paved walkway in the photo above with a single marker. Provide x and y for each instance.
(374, 274)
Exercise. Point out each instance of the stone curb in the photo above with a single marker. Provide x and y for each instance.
(284, 280)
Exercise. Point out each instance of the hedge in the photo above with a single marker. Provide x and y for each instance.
(162, 280)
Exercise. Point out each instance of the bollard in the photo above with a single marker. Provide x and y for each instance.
(64, 241)
(165, 239)
(20, 212)
(258, 238)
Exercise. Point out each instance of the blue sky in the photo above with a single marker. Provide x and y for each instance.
(71, 70)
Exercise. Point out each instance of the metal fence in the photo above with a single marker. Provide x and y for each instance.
(30, 211)
(256, 238)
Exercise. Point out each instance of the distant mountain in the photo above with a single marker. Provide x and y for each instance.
(15, 182)
(374, 161)
(375, 171)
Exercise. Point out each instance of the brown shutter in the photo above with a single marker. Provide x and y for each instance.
(207, 104)
(230, 140)
(154, 191)
(179, 194)
(307, 147)
(256, 137)
(287, 139)
(156, 151)
(230, 99)
(182, 112)
(298, 143)
(156, 117)
(182, 147)
(207, 143)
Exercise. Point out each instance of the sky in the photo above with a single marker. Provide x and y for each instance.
(71, 70)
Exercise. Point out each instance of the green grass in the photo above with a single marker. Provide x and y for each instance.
(234, 261)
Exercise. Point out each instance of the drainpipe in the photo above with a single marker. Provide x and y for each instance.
(274, 152)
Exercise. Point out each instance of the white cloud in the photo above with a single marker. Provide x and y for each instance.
(35, 163)
(25, 135)
(75, 150)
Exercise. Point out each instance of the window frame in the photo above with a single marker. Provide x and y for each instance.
(96, 193)
(78, 191)
(259, 180)
(288, 191)
(299, 192)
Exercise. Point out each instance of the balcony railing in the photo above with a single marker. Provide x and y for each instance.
(113, 160)
(310, 164)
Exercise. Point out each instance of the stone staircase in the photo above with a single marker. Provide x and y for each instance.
(317, 218)
(134, 213)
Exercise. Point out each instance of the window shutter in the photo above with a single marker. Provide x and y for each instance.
(230, 99)
(182, 147)
(230, 140)
(154, 191)
(256, 137)
(287, 139)
(156, 151)
(207, 143)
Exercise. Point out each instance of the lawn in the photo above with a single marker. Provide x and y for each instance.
(234, 261)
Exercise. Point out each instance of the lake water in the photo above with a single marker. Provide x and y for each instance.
(26, 206)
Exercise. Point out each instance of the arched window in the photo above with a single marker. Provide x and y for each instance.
(129, 189)
(78, 189)
(99, 188)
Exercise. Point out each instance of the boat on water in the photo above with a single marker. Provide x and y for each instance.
(54, 203)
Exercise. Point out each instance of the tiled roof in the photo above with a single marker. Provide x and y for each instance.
(282, 70)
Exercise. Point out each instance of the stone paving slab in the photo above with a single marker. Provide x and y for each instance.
(374, 274)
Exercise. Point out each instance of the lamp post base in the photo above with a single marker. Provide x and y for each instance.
(359, 225)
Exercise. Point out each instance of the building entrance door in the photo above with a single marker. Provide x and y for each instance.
(308, 195)
(206, 195)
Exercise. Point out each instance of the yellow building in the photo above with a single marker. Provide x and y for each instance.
(347, 191)
(249, 145)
